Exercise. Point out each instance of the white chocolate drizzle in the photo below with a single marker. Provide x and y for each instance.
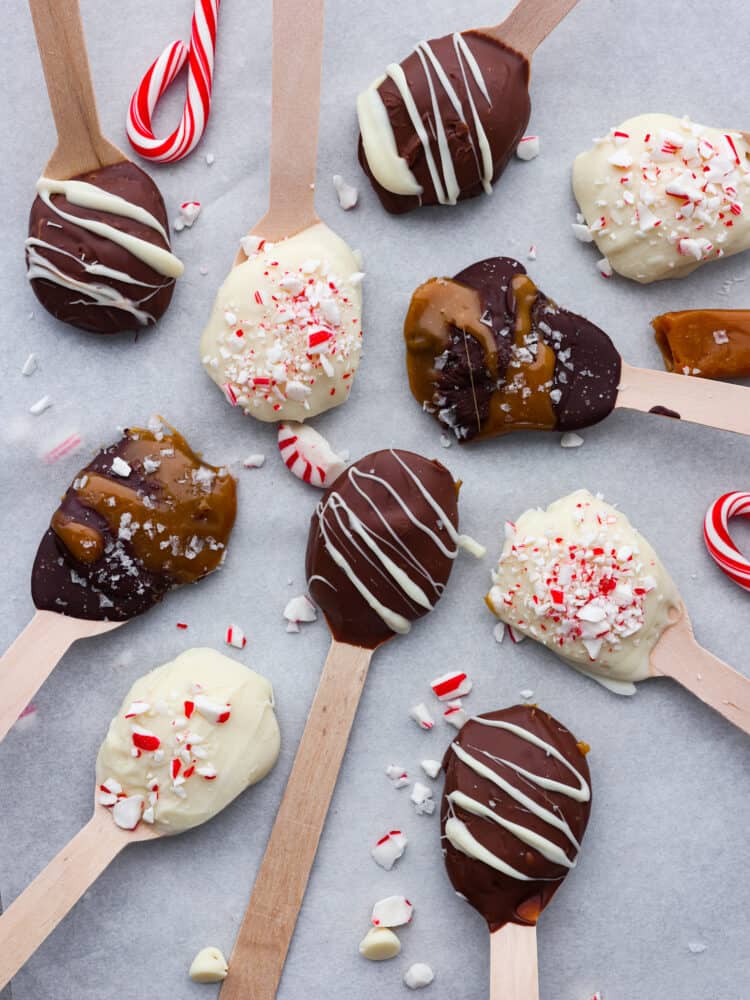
(89, 196)
(460, 837)
(372, 546)
(390, 170)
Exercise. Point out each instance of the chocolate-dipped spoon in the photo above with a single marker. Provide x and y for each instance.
(144, 516)
(578, 578)
(381, 548)
(145, 787)
(515, 807)
(283, 339)
(442, 125)
(98, 253)
(488, 353)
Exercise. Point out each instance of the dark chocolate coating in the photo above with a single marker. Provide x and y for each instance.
(72, 306)
(464, 391)
(501, 898)
(506, 75)
(354, 495)
(114, 576)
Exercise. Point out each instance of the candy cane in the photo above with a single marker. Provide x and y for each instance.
(160, 75)
(720, 546)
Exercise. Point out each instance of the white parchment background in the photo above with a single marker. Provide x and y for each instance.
(665, 859)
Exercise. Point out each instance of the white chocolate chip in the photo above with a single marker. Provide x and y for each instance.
(209, 966)
(379, 944)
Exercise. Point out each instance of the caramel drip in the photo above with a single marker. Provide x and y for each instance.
(523, 401)
(84, 542)
(436, 306)
(172, 522)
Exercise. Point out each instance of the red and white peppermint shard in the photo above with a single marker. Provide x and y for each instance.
(393, 911)
(389, 849)
(421, 715)
(159, 76)
(455, 714)
(719, 542)
(234, 636)
(144, 739)
(453, 685)
(211, 711)
(308, 455)
(127, 812)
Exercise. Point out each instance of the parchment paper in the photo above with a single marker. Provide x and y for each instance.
(664, 864)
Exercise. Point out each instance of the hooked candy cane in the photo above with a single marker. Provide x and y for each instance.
(158, 78)
(719, 543)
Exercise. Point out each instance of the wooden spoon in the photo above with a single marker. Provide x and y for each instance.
(295, 113)
(81, 147)
(514, 964)
(701, 401)
(678, 655)
(32, 917)
(267, 928)
(529, 23)
(34, 655)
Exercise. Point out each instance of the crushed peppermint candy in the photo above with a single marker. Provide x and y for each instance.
(389, 849)
(308, 455)
(431, 767)
(30, 365)
(126, 812)
(591, 588)
(421, 796)
(255, 461)
(234, 636)
(451, 685)
(187, 214)
(41, 405)
(397, 775)
(299, 609)
(393, 911)
(721, 336)
(455, 714)
(347, 194)
(528, 148)
(421, 715)
(571, 440)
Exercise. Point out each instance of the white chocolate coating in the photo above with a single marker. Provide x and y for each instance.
(285, 334)
(580, 579)
(662, 195)
(202, 761)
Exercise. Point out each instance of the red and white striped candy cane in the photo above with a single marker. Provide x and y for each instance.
(720, 546)
(160, 75)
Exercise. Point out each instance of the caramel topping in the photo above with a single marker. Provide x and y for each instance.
(436, 306)
(711, 343)
(523, 401)
(83, 541)
(174, 511)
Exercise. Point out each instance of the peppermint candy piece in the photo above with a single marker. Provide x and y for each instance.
(234, 636)
(421, 715)
(422, 798)
(452, 685)
(211, 711)
(431, 767)
(455, 715)
(389, 849)
(398, 776)
(393, 911)
(719, 542)
(127, 812)
(308, 455)
(418, 975)
(528, 147)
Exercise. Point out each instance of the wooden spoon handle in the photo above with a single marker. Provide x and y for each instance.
(699, 400)
(39, 909)
(62, 47)
(529, 23)
(678, 655)
(295, 115)
(514, 972)
(267, 928)
(33, 656)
